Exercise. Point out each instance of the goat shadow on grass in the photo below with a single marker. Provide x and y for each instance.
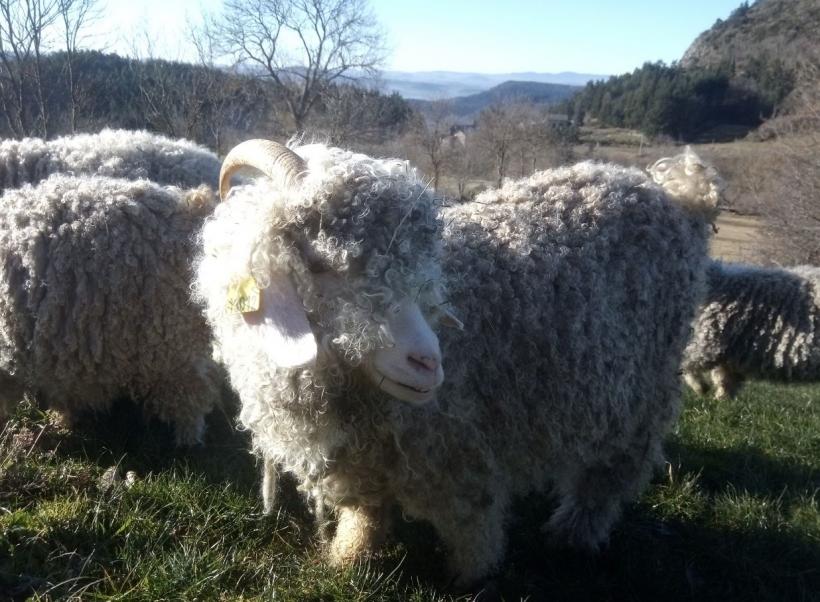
(124, 437)
(649, 557)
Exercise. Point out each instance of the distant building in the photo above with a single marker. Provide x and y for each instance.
(558, 120)
(458, 134)
(462, 128)
(458, 138)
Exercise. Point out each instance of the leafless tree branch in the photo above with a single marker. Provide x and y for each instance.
(303, 46)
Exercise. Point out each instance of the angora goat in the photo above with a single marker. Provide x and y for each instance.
(758, 322)
(115, 153)
(95, 299)
(577, 288)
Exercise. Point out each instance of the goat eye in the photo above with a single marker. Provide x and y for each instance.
(317, 267)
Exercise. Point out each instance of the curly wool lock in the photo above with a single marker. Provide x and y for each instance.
(95, 299)
(113, 153)
(577, 287)
(756, 322)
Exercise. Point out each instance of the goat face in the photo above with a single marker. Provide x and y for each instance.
(362, 278)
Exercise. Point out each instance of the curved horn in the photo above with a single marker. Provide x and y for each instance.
(275, 160)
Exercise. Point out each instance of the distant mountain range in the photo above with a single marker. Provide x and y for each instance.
(468, 107)
(436, 85)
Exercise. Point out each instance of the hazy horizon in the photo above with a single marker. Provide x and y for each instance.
(590, 37)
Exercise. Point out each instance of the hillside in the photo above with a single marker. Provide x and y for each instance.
(757, 63)
(763, 32)
(213, 106)
(466, 107)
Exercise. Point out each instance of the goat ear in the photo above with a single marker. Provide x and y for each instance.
(282, 324)
(449, 320)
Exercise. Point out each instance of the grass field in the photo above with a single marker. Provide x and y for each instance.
(734, 516)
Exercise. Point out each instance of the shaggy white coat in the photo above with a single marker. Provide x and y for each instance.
(577, 288)
(95, 299)
(756, 322)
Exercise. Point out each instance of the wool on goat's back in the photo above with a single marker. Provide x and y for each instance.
(586, 262)
(131, 154)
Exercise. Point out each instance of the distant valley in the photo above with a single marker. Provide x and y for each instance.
(436, 85)
(509, 92)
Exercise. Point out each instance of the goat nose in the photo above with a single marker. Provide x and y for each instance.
(423, 363)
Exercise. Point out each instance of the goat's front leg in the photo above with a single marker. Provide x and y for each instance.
(696, 380)
(270, 479)
(727, 382)
(360, 530)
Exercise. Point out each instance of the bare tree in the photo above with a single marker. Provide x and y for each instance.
(159, 98)
(790, 199)
(13, 51)
(40, 15)
(304, 46)
(23, 41)
(204, 102)
(498, 132)
(527, 134)
(214, 92)
(466, 165)
(430, 138)
(533, 136)
(225, 101)
(28, 30)
(544, 140)
(351, 114)
(159, 91)
(74, 15)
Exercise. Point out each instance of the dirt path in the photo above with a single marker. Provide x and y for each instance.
(738, 237)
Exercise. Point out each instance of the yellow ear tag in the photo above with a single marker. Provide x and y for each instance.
(243, 295)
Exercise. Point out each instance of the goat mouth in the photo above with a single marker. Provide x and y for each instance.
(401, 390)
(387, 379)
(422, 391)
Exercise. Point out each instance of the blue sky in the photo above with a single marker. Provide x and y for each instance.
(590, 36)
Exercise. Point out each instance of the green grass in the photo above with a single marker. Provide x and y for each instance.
(735, 516)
